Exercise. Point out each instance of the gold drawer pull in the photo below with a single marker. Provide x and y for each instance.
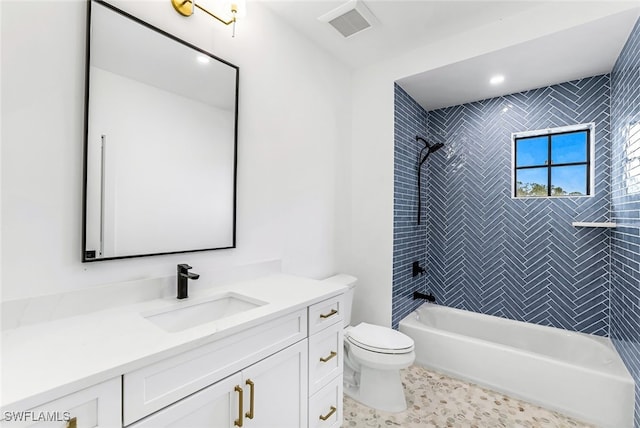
(249, 414)
(330, 314)
(72, 423)
(328, 415)
(331, 355)
(238, 422)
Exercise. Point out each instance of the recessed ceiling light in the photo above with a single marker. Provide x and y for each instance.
(497, 79)
(203, 59)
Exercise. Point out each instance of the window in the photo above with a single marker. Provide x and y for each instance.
(553, 162)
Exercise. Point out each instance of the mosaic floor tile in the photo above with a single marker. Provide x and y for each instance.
(436, 400)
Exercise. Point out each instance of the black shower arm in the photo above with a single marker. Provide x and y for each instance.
(418, 138)
(426, 146)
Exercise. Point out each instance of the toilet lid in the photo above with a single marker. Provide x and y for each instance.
(377, 338)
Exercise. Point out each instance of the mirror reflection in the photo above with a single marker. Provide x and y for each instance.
(160, 150)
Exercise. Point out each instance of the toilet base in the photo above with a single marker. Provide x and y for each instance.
(378, 389)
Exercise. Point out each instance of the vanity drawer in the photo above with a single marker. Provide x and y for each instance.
(325, 406)
(325, 313)
(158, 385)
(96, 406)
(325, 356)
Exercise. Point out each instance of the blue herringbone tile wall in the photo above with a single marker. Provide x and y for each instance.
(409, 238)
(625, 184)
(518, 258)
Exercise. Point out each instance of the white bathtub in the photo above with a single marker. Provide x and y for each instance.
(577, 374)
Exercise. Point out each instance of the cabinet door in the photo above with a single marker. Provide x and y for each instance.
(216, 406)
(97, 406)
(279, 386)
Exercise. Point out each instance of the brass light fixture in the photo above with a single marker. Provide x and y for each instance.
(187, 7)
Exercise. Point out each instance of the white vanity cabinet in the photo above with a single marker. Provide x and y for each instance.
(95, 406)
(271, 360)
(281, 367)
(325, 363)
(270, 393)
(286, 373)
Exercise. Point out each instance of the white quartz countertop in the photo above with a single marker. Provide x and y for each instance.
(44, 361)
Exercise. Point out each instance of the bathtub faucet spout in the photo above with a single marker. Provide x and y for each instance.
(428, 297)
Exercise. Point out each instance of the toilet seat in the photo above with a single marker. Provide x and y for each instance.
(379, 339)
(380, 360)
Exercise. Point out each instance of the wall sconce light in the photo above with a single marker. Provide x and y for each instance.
(234, 8)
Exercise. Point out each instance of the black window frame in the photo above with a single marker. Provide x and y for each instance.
(549, 134)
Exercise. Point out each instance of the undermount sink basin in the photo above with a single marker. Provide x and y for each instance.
(190, 314)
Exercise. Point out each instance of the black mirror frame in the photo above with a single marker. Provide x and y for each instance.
(86, 259)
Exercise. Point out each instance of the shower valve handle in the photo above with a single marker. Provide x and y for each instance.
(417, 269)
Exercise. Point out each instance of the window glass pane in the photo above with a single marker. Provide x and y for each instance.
(532, 151)
(566, 148)
(531, 182)
(569, 180)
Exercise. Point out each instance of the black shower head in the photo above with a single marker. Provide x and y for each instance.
(435, 147)
(431, 147)
(428, 147)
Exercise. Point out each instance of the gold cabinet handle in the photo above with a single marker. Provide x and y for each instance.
(238, 422)
(331, 355)
(72, 423)
(328, 415)
(330, 314)
(249, 414)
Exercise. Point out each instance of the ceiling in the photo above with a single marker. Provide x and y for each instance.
(583, 51)
(404, 25)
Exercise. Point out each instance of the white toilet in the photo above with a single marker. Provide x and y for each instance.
(373, 357)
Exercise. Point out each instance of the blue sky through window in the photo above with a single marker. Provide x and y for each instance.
(536, 158)
(533, 151)
(567, 148)
(572, 179)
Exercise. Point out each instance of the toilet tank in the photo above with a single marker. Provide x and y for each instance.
(347, 281)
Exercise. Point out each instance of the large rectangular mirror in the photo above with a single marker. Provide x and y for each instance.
(160, 150)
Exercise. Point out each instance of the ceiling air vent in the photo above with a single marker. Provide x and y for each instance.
(350, 18)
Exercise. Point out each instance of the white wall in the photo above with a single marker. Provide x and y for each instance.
(1, 135)
(294, 120)
(367, 244)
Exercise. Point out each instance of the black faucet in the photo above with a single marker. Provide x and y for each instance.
(183, 280)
